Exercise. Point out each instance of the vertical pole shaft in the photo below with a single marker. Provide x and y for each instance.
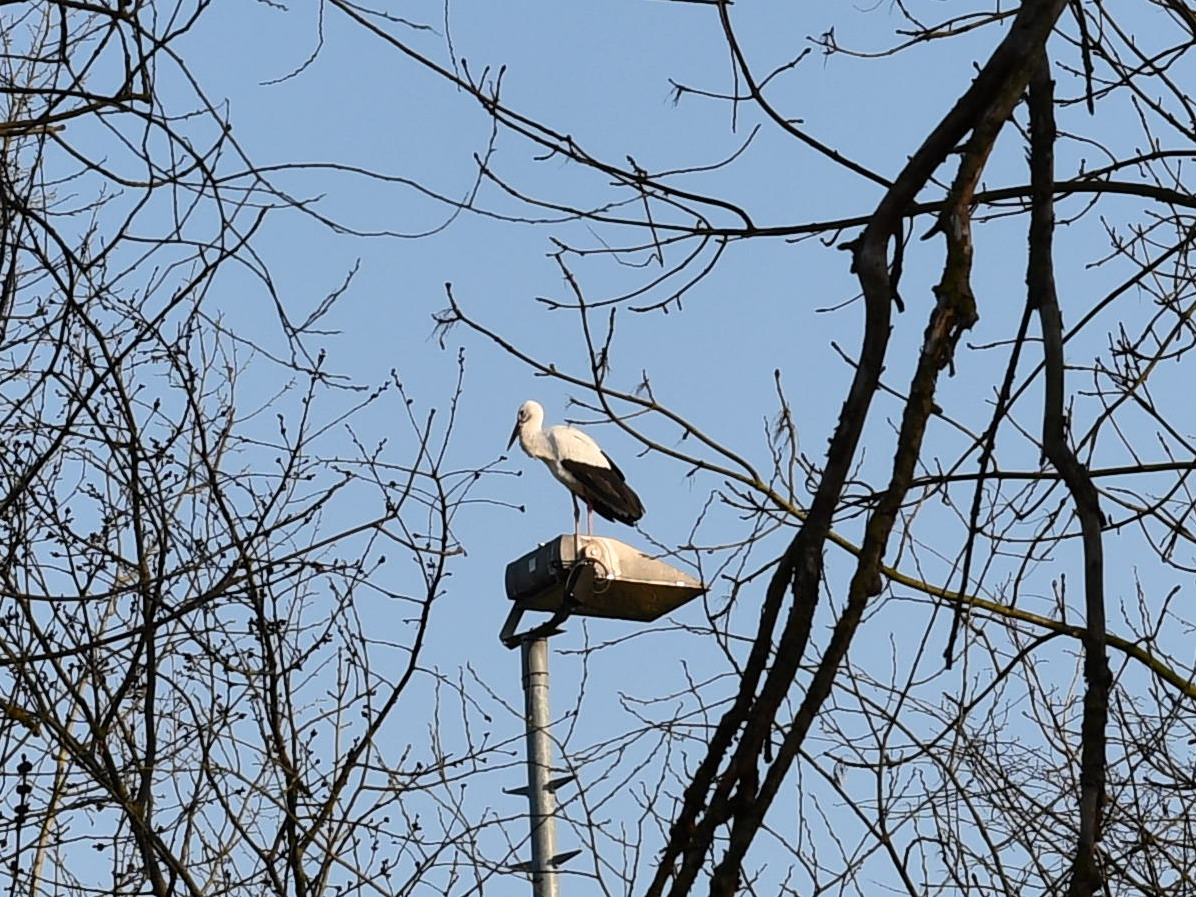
(541, 801)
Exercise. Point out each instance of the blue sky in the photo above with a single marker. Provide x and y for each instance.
(601, 73)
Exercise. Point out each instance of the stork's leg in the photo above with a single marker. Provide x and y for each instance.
(576, 517)
(590, 519)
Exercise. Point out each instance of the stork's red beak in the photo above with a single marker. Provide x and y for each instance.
(514, 436)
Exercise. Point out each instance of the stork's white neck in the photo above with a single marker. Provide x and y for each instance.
(531, 435)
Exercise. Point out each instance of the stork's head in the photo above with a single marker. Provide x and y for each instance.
(530, 416)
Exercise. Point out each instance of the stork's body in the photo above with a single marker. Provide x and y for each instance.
(576, 460)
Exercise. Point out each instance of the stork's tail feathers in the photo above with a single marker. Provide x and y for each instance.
(626, 509)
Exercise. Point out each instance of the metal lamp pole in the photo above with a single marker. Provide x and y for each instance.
(541, 790)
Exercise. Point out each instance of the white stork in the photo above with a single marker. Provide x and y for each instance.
(576, 460)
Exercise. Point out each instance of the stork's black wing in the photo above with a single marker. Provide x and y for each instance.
(606, 490)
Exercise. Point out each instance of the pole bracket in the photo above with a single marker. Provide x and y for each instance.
(578, 588)
(559, 860)
(554, 786)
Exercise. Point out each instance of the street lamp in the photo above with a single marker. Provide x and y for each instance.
(573, 575)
